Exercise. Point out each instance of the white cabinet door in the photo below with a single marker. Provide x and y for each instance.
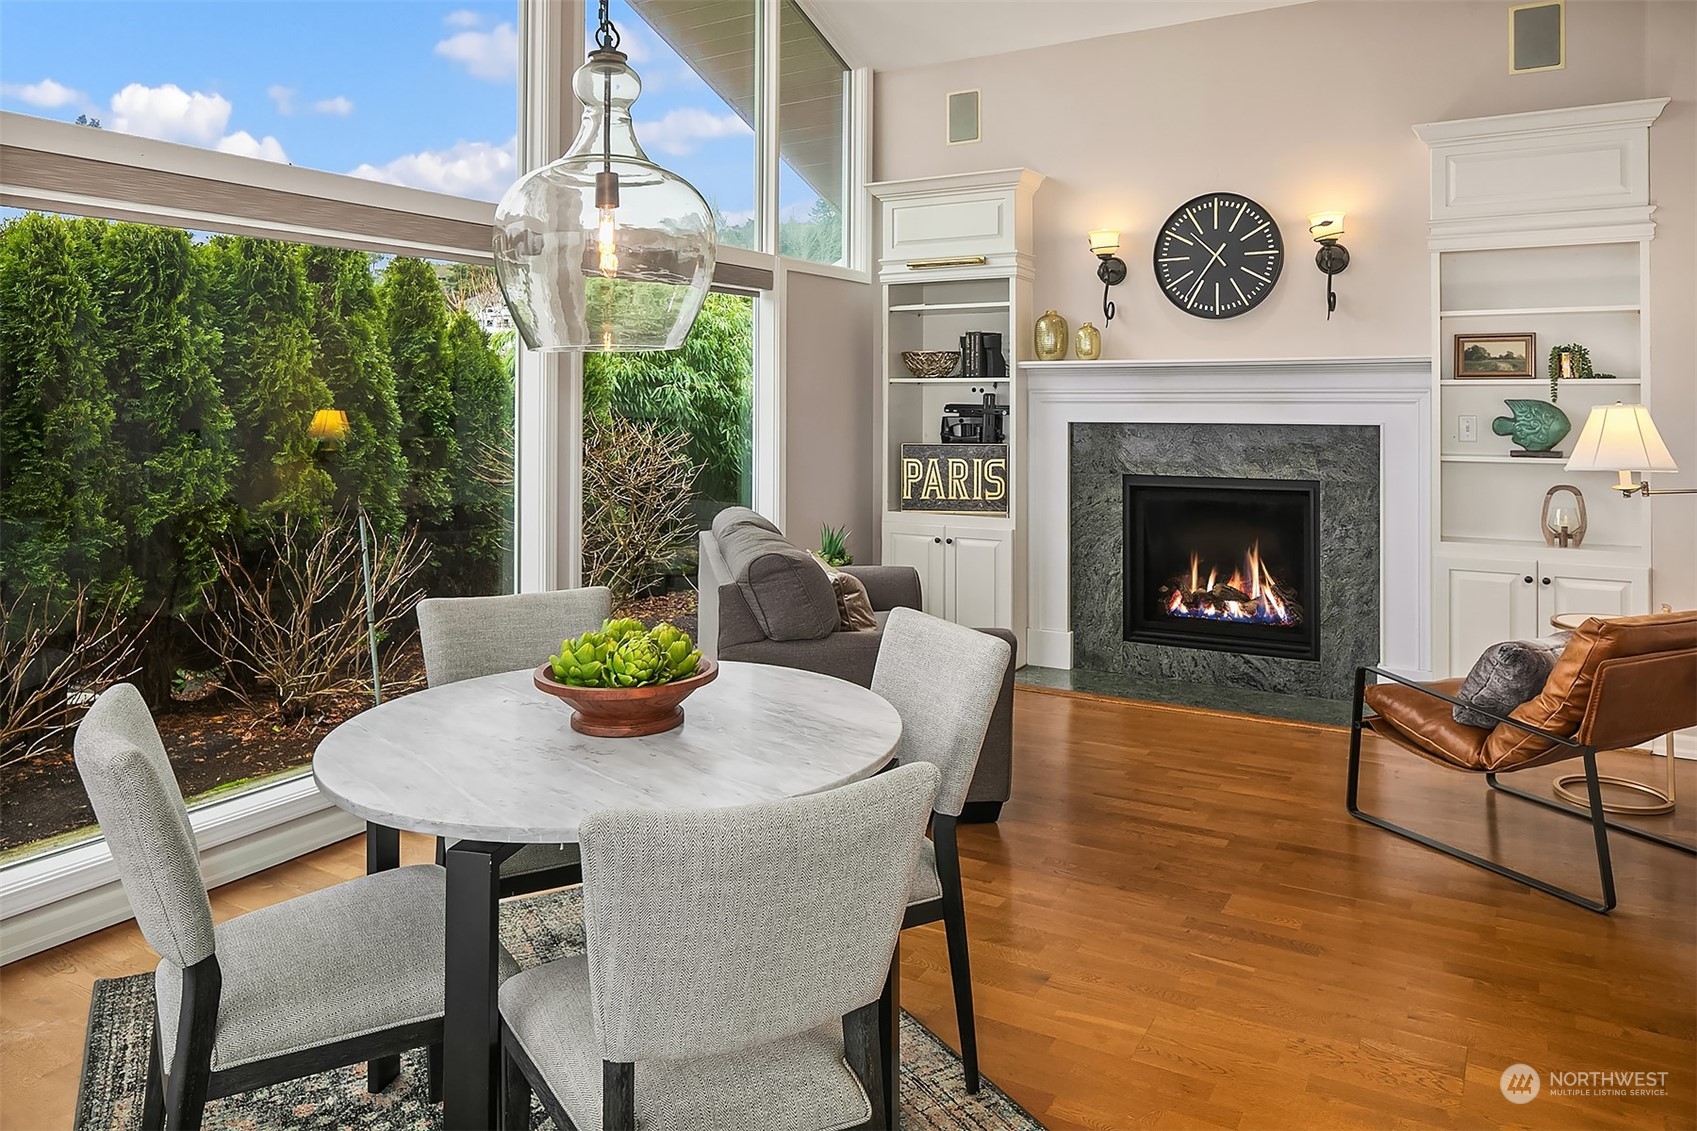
(920, 545)
(980, 582)
(1489, 602)
(1590, 589)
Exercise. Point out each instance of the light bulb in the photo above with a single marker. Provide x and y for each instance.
(605, 232)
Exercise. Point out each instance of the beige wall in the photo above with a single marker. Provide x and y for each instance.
(829, 404)
(1304, 108)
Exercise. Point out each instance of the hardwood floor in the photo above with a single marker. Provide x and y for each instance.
(1176, 925)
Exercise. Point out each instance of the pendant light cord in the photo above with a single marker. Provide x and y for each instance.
(606, 35)
(607, 39)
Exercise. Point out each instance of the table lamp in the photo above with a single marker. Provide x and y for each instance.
(1622, 438)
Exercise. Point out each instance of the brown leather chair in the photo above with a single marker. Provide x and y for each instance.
(1618, 682)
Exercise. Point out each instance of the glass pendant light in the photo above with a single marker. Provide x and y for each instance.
(603, 250)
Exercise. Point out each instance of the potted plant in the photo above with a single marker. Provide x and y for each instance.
(623, 680)
(833, 546)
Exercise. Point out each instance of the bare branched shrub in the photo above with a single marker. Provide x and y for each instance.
(292, 631)
(55, 664)
(637, 483)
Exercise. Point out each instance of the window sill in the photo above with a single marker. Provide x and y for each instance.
(62, 895)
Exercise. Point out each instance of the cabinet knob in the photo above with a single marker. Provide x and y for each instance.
(1529, 579)
(951, 542)
(1546, 581)
(939, 542)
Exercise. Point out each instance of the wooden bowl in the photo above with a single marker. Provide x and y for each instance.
(626, 712)
(930, 363)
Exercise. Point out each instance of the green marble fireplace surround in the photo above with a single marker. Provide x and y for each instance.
(1344, 459)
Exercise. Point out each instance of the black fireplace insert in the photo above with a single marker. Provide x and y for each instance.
(1231, 565)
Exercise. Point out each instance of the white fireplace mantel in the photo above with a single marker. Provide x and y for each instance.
(1392, 393)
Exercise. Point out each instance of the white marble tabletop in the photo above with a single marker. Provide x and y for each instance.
(495, 759)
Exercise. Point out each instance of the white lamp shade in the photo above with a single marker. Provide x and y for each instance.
(1620, 437)
(1325, 225)
(1104, 242)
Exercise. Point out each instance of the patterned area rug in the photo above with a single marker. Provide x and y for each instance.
(535, 930)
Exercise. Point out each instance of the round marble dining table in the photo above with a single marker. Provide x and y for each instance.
(495, 763)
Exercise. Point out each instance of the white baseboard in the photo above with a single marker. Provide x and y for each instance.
(70, 894)
(1048, 648)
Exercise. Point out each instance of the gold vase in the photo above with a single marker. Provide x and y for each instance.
(1051, 337)
(1088, 345)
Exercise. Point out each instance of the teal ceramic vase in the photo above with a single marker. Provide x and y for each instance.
(1537, 426)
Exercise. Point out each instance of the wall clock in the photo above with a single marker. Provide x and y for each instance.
(1218, 256)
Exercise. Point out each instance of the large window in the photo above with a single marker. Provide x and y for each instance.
(408, 92)
(193, 427)
(697, 110)
(813, 100)
(668, 444)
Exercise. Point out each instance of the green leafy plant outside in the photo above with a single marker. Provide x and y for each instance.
(624, 654)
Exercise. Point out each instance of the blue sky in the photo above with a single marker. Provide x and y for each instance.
(413, 92)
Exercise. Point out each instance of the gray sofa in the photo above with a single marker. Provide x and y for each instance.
(763, 602)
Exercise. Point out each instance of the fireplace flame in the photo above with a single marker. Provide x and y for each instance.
(1251, 594)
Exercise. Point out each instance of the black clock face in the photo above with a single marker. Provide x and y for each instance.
(1218, 256)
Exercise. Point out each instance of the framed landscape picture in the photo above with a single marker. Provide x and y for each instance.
(1479, 356)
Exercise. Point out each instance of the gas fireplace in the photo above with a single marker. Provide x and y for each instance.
(1230, 564)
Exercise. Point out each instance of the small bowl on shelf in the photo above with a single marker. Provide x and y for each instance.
(626, 712)
(931, 363)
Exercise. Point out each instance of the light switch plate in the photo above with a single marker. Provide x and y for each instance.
(1467, 429)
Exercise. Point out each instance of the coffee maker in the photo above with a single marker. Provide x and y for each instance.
(975, 422)
(981, 355)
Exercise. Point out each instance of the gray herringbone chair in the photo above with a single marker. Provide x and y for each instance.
(350, 973)
(943, 679)
(735, 961)
(468, 637)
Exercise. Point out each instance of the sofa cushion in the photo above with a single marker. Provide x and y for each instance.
(1424, 724)
(1505, 676)
(736, 516)
(787, 591)
(1561, 705)
(854, 606)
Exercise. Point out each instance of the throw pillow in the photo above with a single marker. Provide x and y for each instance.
(1505, 676)
(854, 606)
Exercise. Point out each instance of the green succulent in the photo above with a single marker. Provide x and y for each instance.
(622, 654)
(636, 662)
(618, 628)
(582, 662)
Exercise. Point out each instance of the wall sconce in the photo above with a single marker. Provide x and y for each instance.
(1104, 245)
(1623, 439)
(1333, 257)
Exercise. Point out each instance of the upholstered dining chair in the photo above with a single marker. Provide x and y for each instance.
(735, 960)
(469, 637)
(350, 973)
(1618, 682)
(943, 680)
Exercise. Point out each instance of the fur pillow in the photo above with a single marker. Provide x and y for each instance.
(1505, 676)
(854, 606)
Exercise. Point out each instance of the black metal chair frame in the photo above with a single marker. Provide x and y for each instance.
(1593, 790)
(862, 1049)
(950, 908)
(176, 1102)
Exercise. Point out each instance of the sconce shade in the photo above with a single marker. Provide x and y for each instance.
(329, 425)
(603, 250)
(1620, 437)
(1326, 225)
(1104, 242)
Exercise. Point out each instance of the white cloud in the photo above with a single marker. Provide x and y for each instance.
(682, 130)
(491, 55)
(283, 97)
(46, 94)
(169, 113)
(480, 170)
(462, 18)
(341, 106)
(243, 144)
